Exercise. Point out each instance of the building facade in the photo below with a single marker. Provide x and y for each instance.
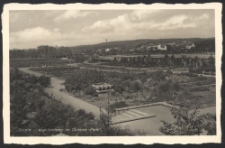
(102, 89)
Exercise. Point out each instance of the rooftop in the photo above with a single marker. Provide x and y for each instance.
(101, 85)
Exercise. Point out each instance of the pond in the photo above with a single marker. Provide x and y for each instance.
(151, 125)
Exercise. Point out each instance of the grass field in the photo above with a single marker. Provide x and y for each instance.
(206, 98)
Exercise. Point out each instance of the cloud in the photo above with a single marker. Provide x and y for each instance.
(34, 28)
(72, 14)
(120, 23)
(37, 35)
(176, 22)
(56, 29)
(136, 21)
(106, 25)
(33, 37)
(141, 14)
(204, 16)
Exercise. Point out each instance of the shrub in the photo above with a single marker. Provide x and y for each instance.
(176, 86)
(118, 88)
(136, 86)
(90, 91)
(43, 80)
(164, 87)
(118, 105)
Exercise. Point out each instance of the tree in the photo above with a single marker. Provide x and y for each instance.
(83, 79)
(119, 104)
(44, 80)
(90, 91)
(172, 59)
(176, 86)
(211, 64)
(211, 60)
(158, 75)
(111, 130)
(169, 48)
(164, 87)
(187, 122)
(34, 109)
(136, 86)
(166, 58)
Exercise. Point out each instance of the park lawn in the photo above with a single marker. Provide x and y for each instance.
(206, 98)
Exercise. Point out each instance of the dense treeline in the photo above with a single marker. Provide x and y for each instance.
(43, 51)
(122, 47)
(206, 44)
(37, 62)
(34, 113)
(208, 66)
(206, 63)
(82, 80)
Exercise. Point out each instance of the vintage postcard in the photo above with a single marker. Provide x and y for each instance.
(112, 73)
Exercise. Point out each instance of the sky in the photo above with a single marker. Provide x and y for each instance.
(32, 28)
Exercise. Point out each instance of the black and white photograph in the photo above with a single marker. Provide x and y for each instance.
(112, 71)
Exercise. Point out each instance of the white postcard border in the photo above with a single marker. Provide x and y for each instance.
(110, 139)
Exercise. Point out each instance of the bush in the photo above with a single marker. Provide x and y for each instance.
(128, 96)
(118, 88)
(43, 80)
(164, 87)
(136, 86)
(69, 87)
(90, 91)
(176, 86)
(118, 105)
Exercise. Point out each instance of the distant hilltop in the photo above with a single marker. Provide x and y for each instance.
(130, 44)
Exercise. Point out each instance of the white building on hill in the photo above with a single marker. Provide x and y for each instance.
(190, 45)
(162, 47)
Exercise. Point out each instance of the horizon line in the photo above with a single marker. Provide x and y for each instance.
(112, 42)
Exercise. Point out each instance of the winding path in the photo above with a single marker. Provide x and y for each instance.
(66, 98)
